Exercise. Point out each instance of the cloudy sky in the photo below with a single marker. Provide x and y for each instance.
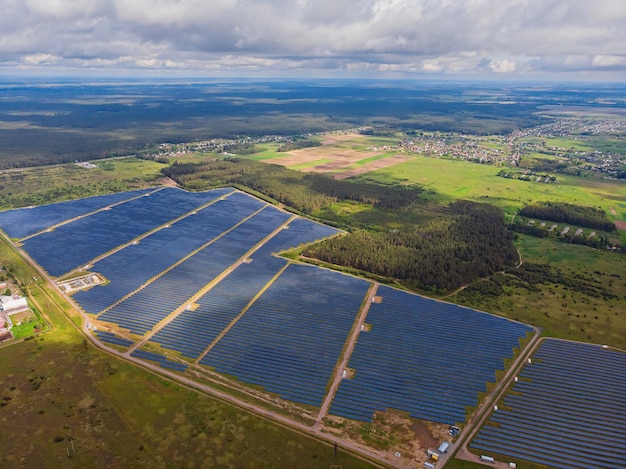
(559, 39)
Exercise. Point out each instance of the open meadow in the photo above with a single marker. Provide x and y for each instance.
(23, 187)
(446, 180)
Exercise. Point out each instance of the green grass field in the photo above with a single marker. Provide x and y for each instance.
(23, 187)
(562, 311)
(449, 179)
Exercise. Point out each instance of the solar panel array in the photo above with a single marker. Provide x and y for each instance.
(193, 331)
(27, 221)
(160, 359)
(291, 338)
(143, 310)
(424, 357)
(295, 320)
(567, 410)
(76, 243)
(111, 338)
(131, 267)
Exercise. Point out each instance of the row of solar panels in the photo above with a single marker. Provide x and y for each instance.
(567, 409)
(77, 243)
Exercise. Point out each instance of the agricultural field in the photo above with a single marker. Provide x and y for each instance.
(341, 154)
(190, 286)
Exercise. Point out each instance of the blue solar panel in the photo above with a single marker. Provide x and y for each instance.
(144, 309)
(109, 337)
(192, 331)
(425, 357)
(290, 339)
(74, 244)
(568, 409)
(27, 221)
(134, 265)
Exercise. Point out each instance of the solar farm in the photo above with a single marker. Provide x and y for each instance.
(193, 280)
(566, 410)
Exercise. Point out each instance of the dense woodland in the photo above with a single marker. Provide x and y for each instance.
(440, 255)
(560, 212)
(306, 192)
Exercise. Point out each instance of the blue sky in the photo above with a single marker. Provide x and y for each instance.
(534, 39)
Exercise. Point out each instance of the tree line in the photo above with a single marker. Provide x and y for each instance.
(599, 241)
(463, 241)
(561, 212)
(306, 192)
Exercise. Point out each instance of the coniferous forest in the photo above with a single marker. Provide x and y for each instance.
(442, 254)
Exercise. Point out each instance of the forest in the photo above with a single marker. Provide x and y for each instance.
(440, 255)
(560, 212)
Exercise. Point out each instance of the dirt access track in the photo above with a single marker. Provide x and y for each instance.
(338, 155)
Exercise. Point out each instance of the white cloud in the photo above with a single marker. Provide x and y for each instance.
(39, 59)
(503, 66)
(608, 61)
(384, 36)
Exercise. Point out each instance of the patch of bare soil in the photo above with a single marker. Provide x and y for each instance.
(372, 166)
(335, 137)
(394, 435)
(621, 225)
(341, 157)
(167, 182)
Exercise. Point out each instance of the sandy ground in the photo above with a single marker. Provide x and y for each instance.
(341, 156)
(372, 165)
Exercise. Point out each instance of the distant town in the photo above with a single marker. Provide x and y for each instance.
(508, 149)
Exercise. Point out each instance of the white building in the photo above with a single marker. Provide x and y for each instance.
(14, 302)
